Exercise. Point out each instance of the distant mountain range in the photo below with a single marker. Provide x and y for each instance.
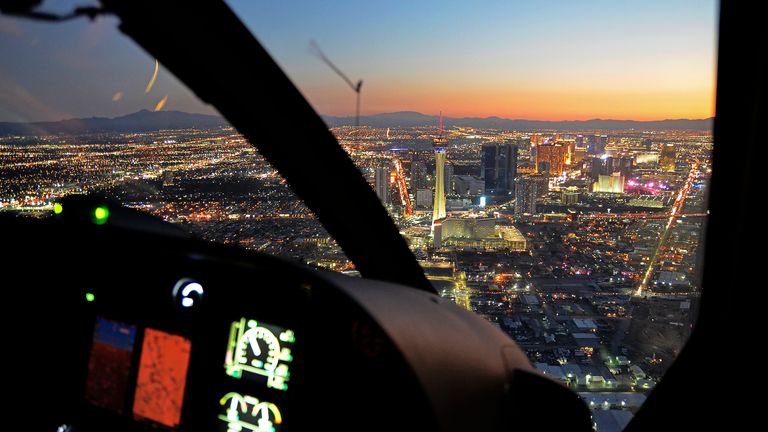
(141, 121)
(144, 121)
(411, 119)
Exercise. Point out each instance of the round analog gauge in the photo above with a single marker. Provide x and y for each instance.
(259, 348)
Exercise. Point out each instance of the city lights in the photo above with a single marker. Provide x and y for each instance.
(557, 244)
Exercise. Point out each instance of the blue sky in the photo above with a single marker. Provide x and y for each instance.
(541, 59)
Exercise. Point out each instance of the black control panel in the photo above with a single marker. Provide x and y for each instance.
(110, 327)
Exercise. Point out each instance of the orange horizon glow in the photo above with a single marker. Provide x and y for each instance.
(622, 89)
(544, 105)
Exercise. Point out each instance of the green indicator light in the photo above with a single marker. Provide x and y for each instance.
(58, 208)
(89, 297)
(100, 214)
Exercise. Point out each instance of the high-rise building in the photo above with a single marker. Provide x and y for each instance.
(596, 144)
(419, 175)
(601, 141)
(542, 184)
(593, 166)
(536, 139)
(499, 168)
(555, 155)
(570, 150)
(579, 141)
(382, 183)
(607, 165)
(439, 144)
(625, 166)
(667, 157)
(578, 155)
(591, 143)
(525, 196)
(544, 168)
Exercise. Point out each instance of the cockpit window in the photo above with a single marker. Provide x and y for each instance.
(83, 110)
(547, 162)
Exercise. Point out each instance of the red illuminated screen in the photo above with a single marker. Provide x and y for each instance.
(162, 377)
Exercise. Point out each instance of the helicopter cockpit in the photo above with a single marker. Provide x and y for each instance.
(143, 327)
(117, 319)
(148, 329)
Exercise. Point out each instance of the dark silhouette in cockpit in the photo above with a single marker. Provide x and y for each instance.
(99, 297)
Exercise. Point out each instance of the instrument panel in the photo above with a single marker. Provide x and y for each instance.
(191, 362)
(142, 373)
(184, 335)
(121, 329)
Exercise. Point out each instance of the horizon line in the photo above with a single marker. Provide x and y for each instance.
(377, 114)
(521, 119)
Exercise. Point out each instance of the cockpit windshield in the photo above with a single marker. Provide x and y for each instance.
(547, 162)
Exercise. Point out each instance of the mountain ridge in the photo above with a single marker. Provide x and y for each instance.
(146, 121)
(139, 121)
(412, 119)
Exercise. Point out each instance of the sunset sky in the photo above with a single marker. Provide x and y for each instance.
(544, 59)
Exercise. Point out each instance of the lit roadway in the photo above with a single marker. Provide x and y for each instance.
(402, 188)
(673, 215)
(637, 215)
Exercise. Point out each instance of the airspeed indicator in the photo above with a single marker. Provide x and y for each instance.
(259, 352)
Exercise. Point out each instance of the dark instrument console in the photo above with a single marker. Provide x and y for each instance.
(110, 327)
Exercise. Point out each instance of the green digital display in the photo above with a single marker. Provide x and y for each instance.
(260, 352)
(247, 413)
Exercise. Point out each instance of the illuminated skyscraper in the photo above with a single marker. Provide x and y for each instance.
(570, 150)
(525, 196)
(439, 144)
(555, 155)
(382, 186)
(667, 158)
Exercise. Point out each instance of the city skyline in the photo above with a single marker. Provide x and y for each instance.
(555, 61)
